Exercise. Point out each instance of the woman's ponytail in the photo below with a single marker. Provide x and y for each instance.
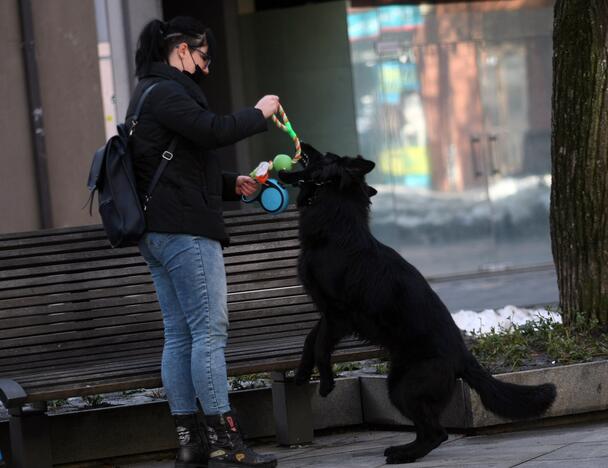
(150, 46)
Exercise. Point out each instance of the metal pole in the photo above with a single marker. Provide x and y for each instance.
(35, 107)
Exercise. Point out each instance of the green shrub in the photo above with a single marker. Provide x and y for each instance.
(540, 341)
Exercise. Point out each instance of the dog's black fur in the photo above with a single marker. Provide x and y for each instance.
(363, 287)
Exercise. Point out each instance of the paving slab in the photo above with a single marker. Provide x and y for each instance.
(580, 446)
(591, 450)
(585, 463)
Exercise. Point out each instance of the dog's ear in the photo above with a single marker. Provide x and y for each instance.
(347, 178)
(310, 153)
(360, 166)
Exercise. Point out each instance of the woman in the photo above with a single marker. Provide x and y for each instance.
(185, 231)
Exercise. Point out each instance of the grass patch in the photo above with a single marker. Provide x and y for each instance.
(541, 343)
(382, 367)
(346, 366)
(93, 400)
(249, 381)
(54, 404)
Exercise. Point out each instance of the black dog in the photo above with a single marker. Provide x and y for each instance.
(363, 287)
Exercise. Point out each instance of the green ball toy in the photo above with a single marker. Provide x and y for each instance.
(282, 162)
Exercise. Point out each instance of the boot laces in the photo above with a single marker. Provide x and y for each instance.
(184, 435)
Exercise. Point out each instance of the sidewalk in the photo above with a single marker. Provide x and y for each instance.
(580, 446)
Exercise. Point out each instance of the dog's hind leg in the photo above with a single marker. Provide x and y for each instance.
(421, 392)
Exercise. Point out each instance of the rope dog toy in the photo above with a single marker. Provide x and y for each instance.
(273, 197)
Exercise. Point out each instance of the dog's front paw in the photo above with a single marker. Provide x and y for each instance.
(302, 376)
(326, 386)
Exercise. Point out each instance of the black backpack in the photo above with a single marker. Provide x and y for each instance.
(111, 175)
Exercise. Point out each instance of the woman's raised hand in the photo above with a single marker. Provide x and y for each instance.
(269, 105)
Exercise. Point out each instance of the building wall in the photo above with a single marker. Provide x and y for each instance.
(301, 54)
(18, 205)
(66, 53)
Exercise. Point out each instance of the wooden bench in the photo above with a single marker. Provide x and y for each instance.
(79, 318)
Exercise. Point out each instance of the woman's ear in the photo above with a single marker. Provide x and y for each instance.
(182, 49)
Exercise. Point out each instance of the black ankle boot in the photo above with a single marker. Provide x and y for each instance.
(193, 451)
(226, 446)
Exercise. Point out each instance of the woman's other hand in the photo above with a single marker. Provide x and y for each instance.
(269, 105)
(245, 185)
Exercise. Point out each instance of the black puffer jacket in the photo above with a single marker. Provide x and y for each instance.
(188, 197)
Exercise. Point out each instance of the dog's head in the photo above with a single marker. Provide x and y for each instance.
(343, 172)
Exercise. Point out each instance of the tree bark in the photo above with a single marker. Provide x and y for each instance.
(579, 154)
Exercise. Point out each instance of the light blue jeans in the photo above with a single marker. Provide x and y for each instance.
(190, 281)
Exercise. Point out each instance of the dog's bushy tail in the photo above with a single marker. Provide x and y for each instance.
(506, 399)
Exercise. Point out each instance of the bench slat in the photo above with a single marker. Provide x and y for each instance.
(32, 333)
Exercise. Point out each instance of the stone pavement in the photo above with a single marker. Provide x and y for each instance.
(496, 290)
(579, 446)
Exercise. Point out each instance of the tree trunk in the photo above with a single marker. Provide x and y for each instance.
(579, 154)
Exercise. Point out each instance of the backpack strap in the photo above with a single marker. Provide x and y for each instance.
(139, 106)
(166, 157)
(167, 154)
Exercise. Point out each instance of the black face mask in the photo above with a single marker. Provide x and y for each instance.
(198, 76)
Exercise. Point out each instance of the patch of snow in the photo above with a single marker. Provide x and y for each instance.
(500, 319)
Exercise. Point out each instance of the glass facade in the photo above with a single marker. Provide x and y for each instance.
(453, 103)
